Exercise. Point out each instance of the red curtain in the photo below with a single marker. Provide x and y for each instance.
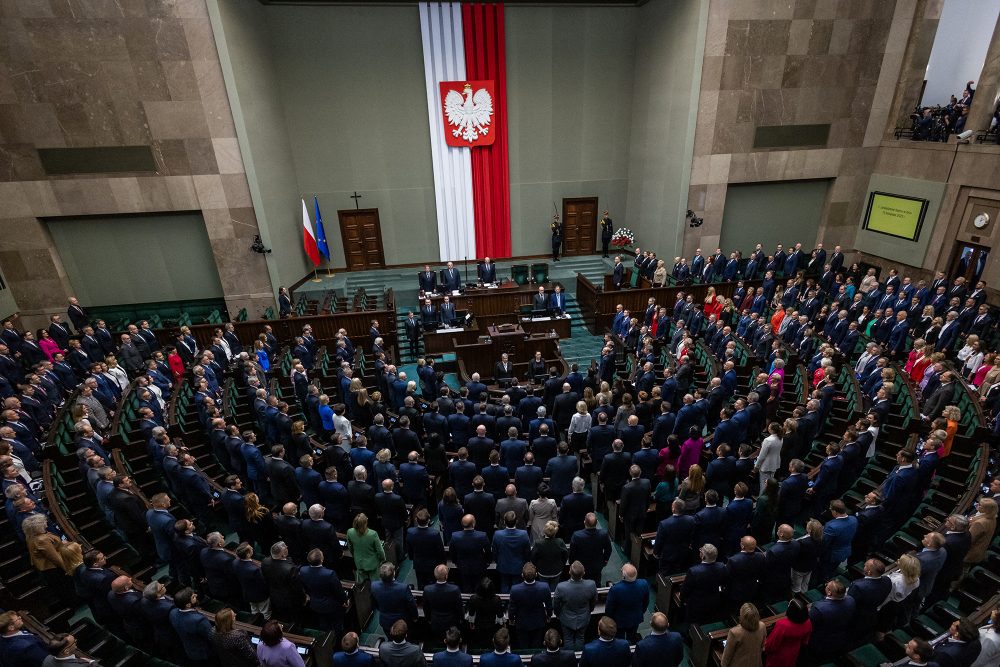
(485, 58)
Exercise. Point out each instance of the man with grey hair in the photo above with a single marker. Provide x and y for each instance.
(701, 592)
(392, 599)
(282, 577)
(512, 503)
(957, 542)
(217, 563)
(574, 508)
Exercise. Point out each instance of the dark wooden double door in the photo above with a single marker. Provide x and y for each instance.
(579, 226)
(362, 236)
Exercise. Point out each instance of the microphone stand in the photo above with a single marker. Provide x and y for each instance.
(466, 269)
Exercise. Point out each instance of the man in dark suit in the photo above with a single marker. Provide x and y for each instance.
(627, 602)
(479, 447)
(530, 608)
(317, 533)
(282, 577)
(661, 648)
(425, 548)
(251, 581)
(592, 547)
(392, 598)
(470, 549)
(428, 315)
(284, 487)
(792, 493)
(487, 272)
(442, 604)
(703, 587)
(327, 597)
(553, 655)
(957, 542)
(606, 650)
(541, 300)
(193, 629)
(557, 301)
(673, 540)
(744, 572)
(831, 618)
(776, 579)
(635, 501)
(451, 279)
(217, 564)
(481, 504)
(392, 510)
(614, 470)
(452, 656)
(427, 279)
(93, 582)
(961, 647)
(511, 550)
(868, 593)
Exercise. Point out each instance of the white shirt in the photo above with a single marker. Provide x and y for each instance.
(900, 589)
(342, 425)
(770, 454)
(118, 376)
(989, 655)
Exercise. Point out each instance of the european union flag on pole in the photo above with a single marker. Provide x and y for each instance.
(320, 232)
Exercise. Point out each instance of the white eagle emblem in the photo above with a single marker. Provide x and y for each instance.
(471, 116)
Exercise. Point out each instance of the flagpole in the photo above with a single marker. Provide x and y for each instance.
(316, 278)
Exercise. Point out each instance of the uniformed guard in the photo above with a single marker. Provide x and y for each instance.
(606, 230)
(557, 232)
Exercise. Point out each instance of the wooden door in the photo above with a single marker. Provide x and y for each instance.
(579, 226)
(362, 238)
(969, 261)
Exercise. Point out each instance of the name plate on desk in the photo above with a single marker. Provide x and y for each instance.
(455, 292)
(544, 319)
(449, 330)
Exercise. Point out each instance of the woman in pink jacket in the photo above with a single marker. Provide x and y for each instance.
(47, 345)
(690, 452)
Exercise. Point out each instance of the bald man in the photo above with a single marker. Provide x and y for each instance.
(661, 648)
(627, 602)
(472, 553)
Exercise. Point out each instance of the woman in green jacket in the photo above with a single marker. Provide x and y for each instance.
(366, 547)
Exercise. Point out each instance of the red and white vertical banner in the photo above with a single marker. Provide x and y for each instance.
(444, 60)
(465, 75)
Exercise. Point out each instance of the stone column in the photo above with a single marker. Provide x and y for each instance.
(986, 87)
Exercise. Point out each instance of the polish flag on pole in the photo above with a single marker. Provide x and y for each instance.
(308, 237)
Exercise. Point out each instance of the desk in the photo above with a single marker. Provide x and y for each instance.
(561, 325)
(445, 340)
(486, 302)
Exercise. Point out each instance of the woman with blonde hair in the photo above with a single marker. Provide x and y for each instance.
(260, 523)
(982, 527)
(383, 468)
(985, 370)
(549, 554)
(54, 559)
(923, 359)
(579, 427)
(231, 645)
(905, 580)
(366, 547)
(973, 361)
(745, 641)
(660, 274)
(691, 489)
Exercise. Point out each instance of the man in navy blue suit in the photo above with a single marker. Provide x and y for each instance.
(425, 548)
(530, 608)
(470, 549)
(962, 646)
(451, 656)
(897, 493)
(487, 272)
(673, 540)
(838, 533)
(703, 587)
(574, 506)
(776, 579)
(350, 656)
(442, 604)
(591, 546)
(193, 628)
(392, 599)
(554, 655)
(661, 648)
(831, 618)
(744, 572)
(792, 493)
(511, 550)
(627, 602)
(557, 301)
(161, 525)
(326, 594)
(869, 593)
(606, 651)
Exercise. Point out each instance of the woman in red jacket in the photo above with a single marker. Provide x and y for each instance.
(788, 636)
